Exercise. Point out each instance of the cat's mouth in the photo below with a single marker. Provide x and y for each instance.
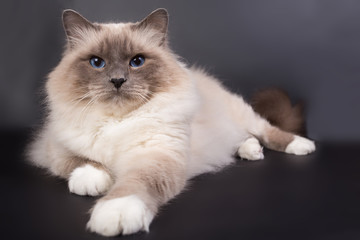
(116, 94)
(123, 94)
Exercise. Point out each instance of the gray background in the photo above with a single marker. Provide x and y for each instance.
(311, 48)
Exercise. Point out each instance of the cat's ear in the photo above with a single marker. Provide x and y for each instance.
(75, 25)
(158, 21)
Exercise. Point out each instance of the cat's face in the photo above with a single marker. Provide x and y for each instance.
(116, 63)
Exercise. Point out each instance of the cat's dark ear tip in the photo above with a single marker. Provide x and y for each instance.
(161, 11)
(69, 12)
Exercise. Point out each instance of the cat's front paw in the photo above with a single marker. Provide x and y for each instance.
(300, 146)
(124, 215)
(89, 180)
(251, 149)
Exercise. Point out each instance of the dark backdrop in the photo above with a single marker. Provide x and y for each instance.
(311, 48)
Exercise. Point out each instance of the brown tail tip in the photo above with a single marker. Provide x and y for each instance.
(275, 106)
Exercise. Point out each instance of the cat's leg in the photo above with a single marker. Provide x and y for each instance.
(133, 201)
(270, 136)
(89, 178)
(84, 177)
(279, 140)
(251, 149)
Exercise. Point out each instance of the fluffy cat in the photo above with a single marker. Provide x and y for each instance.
(127, 119)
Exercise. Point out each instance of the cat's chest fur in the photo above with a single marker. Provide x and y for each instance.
(105, 137)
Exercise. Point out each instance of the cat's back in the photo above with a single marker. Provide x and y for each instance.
(207, 85)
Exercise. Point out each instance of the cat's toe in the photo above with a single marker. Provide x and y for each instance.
(124, 215)
(89, 180)
(251, 150)
(300, 146)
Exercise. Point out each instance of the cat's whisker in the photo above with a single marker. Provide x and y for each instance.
(142, 97)
(79, 99)
(86, 109)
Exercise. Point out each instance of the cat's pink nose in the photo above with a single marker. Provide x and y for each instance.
(117, 82)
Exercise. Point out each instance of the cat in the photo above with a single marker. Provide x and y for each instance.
(128, 120)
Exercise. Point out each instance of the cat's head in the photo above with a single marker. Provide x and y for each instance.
(124, 63)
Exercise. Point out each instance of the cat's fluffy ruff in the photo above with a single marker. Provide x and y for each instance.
(182, 124)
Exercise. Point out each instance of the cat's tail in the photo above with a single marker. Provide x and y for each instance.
(275, 106)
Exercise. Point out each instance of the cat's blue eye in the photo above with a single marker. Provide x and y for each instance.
(137, 61)
(97, 62)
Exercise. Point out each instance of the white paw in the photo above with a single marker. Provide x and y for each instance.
(89, 180)
(251, 149)
(300, 146)
(124, 215)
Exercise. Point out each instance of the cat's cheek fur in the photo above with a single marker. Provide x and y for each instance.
(124, 215)
(300, 146)
(89, 180)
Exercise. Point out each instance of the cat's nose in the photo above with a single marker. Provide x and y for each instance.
(117, 82)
